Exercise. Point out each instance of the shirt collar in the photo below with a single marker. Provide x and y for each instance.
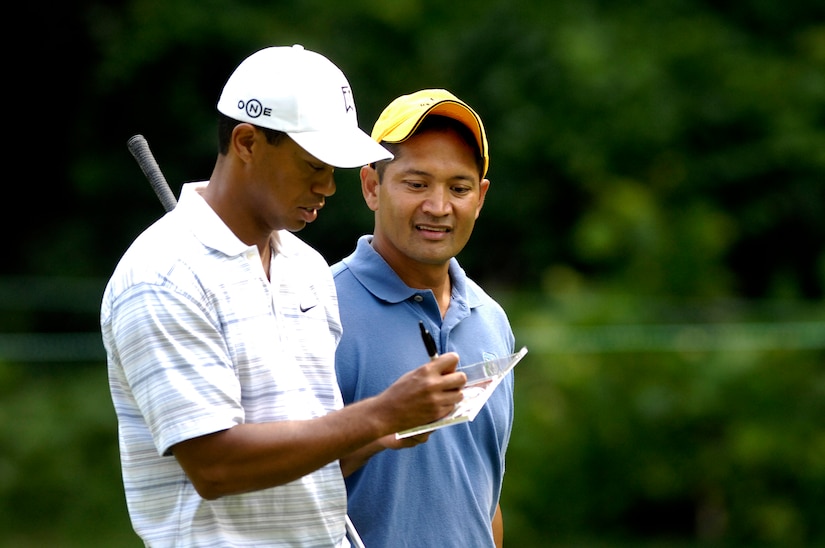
(373, 272)
(207, 226)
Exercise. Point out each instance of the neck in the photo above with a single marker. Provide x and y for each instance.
(219, 197)
(418, 275)
(265, 252)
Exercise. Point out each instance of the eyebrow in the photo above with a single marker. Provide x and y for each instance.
(423, 173)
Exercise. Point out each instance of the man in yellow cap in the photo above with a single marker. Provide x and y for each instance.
(444, 492)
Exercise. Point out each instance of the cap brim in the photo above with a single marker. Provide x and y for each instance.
(341, 148)
(410, 121)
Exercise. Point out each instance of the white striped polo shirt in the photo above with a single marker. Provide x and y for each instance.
(198, 340)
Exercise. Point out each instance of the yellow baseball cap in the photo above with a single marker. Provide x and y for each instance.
(404, 114)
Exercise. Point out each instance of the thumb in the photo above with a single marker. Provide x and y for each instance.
(446, 363)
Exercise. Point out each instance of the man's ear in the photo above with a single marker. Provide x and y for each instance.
(369, 186)
(482, 193)
(242, 141)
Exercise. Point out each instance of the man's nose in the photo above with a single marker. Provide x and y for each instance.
(326, 186)
(437, 202)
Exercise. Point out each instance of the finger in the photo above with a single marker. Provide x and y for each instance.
(453, 382)
(445, 363)
(421, 438)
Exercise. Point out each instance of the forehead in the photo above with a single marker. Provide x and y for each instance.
(442, 146)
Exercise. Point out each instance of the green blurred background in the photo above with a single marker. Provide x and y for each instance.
(655, 229)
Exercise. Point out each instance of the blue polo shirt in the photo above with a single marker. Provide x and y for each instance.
(443, 492)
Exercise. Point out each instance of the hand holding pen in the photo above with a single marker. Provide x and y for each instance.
(424, 394)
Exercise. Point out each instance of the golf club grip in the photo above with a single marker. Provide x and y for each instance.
(140, 150)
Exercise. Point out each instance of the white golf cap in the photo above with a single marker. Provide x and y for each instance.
(306, 96)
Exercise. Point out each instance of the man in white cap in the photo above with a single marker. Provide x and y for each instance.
(426, 200)
(220, 328)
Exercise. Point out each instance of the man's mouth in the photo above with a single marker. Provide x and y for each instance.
(431, 228)
(311, 213)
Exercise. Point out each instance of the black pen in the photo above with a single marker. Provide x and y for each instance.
(432, 351)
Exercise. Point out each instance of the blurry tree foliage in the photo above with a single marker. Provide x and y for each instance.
(662, 147)
(641, 152)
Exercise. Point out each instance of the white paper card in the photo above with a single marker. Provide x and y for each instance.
(482, 380)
